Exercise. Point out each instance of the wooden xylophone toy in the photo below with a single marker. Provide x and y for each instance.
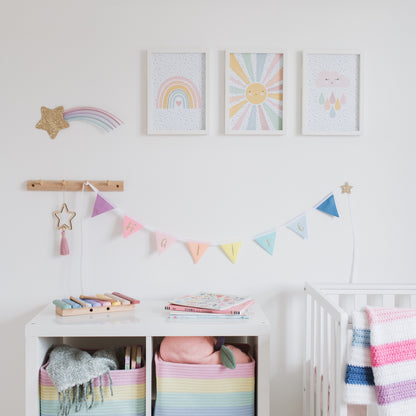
(83, 305)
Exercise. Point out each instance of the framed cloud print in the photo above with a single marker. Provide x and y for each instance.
(255, 92)
(332, 93)
(177, 85)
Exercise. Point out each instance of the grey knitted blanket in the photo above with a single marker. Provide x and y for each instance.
(73, 371)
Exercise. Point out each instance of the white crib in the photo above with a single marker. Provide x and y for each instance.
(328, 339)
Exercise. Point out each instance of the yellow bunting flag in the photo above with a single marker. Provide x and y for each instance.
(197, 250)
(231, 250)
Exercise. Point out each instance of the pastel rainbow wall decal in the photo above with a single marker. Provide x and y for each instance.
(92, 115)
(178, 93)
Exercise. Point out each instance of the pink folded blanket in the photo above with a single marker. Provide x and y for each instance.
(196, 350)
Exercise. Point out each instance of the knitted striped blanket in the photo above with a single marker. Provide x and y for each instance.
(393, 361)
(359, 377)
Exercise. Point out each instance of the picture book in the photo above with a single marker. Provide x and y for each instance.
(198, 315)
(234, 310)
(207, 300)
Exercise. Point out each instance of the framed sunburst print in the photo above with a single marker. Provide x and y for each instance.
(177, 99)
(255, 92)
(332, 93)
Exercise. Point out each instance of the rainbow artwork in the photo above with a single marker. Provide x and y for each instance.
(255, 92)
(54, 120)
(94, 116)
(178, 93)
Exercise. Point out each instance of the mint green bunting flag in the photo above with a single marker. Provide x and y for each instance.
(299, 226)
(267, 242)
(329, 207)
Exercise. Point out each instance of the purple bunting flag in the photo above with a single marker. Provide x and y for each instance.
(101, 206)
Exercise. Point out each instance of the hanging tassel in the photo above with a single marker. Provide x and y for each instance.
(64, 244)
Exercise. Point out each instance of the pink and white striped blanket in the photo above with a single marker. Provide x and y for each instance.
(393, 359)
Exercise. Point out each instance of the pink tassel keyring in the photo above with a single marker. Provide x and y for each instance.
(64, 222)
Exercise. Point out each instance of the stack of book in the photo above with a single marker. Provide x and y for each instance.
(210, 306)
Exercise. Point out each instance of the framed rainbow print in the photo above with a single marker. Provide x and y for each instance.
(331, 96)
(177, 99)
(255, 92)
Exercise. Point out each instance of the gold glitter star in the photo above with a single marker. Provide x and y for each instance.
(346, 188)
(52, 120)
(66, 218)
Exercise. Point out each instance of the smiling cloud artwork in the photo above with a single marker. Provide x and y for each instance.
(332, 86)
(255, 91)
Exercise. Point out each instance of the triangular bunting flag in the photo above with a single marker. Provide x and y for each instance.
(130, 226)
(231, 250)
(267, 242)
(329, 207)
(163, 242)
(197, 250)
(101, 206)
(299, 226)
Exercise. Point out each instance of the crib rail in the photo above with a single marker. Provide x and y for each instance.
(328, 310)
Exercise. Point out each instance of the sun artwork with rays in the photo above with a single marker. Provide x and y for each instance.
(255, 91)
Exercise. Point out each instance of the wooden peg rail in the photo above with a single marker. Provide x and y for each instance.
(73, 186)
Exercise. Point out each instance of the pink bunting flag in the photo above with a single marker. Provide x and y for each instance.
(130, 226)
(163, 242)
(101, 206)
(197, 250)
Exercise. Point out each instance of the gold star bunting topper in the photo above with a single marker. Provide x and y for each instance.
(64, 219)
(52, 120)
(346, 188)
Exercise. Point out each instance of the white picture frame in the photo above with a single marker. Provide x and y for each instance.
(255, 92)
(332, 92)
(177, 92)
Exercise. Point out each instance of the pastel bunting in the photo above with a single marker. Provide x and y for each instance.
(130, 226)
(197, 250)
(299, 226)
(163, 242)
(267, 242)
(101, 206)
(329, 206)
(231, 251)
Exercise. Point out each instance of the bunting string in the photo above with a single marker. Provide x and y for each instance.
(266, 240)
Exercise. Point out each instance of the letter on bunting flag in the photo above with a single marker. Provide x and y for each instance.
(101, 206)
(329, 206)
(197, 250)
(299, 226)
(163, 242)
(130, 226)
(231, 250)
(267, 242)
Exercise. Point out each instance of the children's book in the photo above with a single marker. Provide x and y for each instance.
(235, 310)
(207, 300)
(204, 316)
(198, 315)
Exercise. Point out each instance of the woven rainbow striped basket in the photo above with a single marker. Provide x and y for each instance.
(204, 389)
(129, 390)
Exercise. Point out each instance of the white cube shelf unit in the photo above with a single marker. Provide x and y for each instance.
(146, 325)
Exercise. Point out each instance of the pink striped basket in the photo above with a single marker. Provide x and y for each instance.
(129, 392)
(204, 389)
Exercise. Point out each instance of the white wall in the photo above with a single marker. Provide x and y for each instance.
(211, 188)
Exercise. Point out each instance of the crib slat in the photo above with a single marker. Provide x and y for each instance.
(375, 300)
(347, 302)
(318, 383)
(325, 367)
(332, 379)
(312, 359)
(403, 301)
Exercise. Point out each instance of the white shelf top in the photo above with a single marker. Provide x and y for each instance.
(148, 319)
